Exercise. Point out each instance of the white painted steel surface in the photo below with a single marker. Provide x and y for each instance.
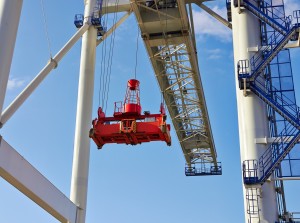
(10, 11)
(112, 6)
(252, 115)
(79, 184)
(266, 140)
(172, 51)
(22, 175)
(52, 64)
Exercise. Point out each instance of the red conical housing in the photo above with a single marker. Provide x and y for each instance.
(132, 103)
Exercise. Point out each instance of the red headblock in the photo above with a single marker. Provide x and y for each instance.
(128, 125)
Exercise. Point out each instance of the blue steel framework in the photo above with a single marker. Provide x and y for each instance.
(268, 74)
(279, 74)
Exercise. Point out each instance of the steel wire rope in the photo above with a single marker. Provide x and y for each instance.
(165, 29)
(111, 53)
(103, 62)
(136, 52)
(137, 48)
(107, 68)
(46, 28)
(109, 62)
(170, 56)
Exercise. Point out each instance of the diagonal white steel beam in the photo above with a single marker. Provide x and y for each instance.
(214, 14)
(114, 27)
(52, 64)
(23, 176)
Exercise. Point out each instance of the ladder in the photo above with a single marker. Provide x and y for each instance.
(252, 199)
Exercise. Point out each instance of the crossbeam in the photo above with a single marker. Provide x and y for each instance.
(52, 64)
(215, 15)
(27, 179)
(112, 6)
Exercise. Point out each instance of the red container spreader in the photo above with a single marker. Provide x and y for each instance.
(128, 125)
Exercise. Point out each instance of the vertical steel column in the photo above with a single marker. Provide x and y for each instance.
(252, 114)
(81, 155)
(10, 11)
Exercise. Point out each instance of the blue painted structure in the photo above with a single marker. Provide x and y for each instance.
(268, 75)
(95, 19)
(258, 78)
(204, 169)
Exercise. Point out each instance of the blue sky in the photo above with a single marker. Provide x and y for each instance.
(127, 184)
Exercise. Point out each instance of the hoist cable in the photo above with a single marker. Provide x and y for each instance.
(166, 29)
(106, 71)
(103, 62)
(101, 73)
(106, 61)
(111, 53)
(46, 28)
(137, 49)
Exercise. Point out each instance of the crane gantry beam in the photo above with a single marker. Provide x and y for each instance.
(168, 38)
